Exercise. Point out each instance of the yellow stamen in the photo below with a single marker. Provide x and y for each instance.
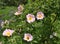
(27, 38)
(30, 18)
(39, 16)
(8, 33)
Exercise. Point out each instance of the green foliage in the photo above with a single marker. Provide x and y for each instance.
(12, 2)
(40, 29)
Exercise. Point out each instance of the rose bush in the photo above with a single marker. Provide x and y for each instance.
(36, 22)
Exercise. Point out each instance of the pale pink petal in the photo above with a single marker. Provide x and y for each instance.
(41, 14)
(18, 13)
(8, 30)
(20, 8)
(28, 35)
(30, 16)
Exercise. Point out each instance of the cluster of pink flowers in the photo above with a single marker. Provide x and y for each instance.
(8, 32)
(31, 18)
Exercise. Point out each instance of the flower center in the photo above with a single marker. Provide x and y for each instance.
(27, 38)
(30, 18)
(8, 33)
(39, 16)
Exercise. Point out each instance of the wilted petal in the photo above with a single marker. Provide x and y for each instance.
(18, 13)
(2, 24)
(0, 42)
(20, 8)
(6, 22)
(54, 33)
(51, 36)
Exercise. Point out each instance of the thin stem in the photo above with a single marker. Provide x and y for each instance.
(54, 19)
